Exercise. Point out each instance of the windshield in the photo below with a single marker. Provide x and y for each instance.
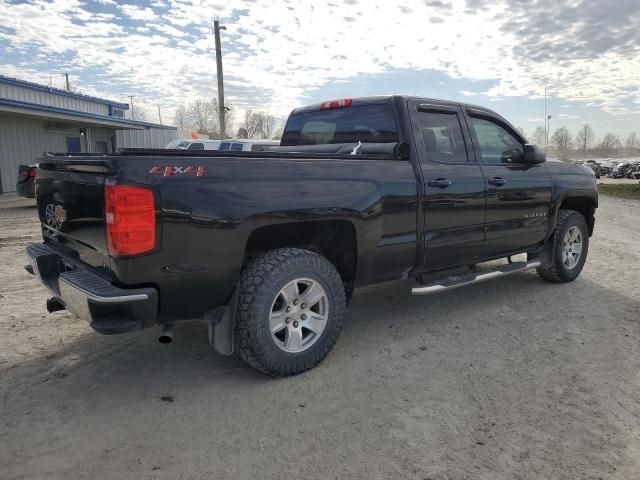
(364, 123)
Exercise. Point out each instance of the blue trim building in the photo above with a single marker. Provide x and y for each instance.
(35, 119)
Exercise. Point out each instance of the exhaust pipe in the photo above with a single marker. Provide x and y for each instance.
(167, 334)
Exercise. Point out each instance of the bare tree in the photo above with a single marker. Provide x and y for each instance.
(242, 133)
(228, 119)
(181, 117)
(201, 115)
(610, 143)
(138, 114)
(539, 136)
(561, 139)
(277, 135)
(585, 137)
(632, 143)
(268, 126)
(252, 123)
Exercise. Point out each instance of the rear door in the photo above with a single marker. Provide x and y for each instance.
(518, 193)
(454, 186)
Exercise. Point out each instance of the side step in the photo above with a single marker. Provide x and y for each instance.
(447, 283)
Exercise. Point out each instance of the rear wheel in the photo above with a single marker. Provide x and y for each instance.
(567, 249)
(291, 308)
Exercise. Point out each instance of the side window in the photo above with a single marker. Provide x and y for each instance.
(225, 146)
(236, 147)
(196, 146)
(496, 144)
(442, 137)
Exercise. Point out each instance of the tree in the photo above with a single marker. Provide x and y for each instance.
(242, 133)
(632, 143)
(252, 123)
(268, 126)
(610, 143)
(278, 134)
(539, 136)
(138, 114)
(228, 119)
(201, 115)
(585, 137)
(561, 139)
(181, 117)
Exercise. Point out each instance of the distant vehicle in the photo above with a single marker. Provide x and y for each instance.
(26, 181)
(634, 170)
(619, 171)
(246, 145)
(195, 144)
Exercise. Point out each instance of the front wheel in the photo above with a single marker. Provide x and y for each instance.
(567, 249)
(291, 308)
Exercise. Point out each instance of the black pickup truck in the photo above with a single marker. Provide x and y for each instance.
(267, 247)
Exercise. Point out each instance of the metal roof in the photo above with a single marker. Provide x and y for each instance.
(18, 105)
(58, 91)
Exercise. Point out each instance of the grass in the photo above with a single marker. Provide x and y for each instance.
(631, 191)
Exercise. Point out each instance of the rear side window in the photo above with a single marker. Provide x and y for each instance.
(363, 123)
(442, 137)
(196, 146)
(236, 147)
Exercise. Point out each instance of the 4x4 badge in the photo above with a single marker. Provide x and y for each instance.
(167, 171)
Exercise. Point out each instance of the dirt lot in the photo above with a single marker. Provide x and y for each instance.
(511, 379)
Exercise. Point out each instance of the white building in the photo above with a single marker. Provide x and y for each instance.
(35, 119)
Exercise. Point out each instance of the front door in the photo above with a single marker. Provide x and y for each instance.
(518, 194)
(454, 187)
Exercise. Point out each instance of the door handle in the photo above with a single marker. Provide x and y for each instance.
(497, 181)
(439, 182)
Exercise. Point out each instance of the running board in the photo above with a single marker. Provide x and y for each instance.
(447, 283)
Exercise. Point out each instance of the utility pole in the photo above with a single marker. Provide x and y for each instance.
(546, 133)
(66, 76)
(159, 115)
(221, 107)
(133, 112)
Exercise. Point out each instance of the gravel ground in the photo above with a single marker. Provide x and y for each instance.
(511, 379)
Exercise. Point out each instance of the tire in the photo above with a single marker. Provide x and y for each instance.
(269, 285)
(559, 268)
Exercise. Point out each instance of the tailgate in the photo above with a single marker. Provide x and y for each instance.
(70, 196)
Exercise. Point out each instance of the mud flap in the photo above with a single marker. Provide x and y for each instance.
(222, 324)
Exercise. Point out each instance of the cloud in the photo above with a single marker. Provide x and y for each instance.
(278, 53)
(137, 13)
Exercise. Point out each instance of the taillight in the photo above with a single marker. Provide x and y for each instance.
(130, 219)
(342, 103)
(32, 172)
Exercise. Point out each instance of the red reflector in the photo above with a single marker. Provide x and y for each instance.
(341, 103)
(130, 219)
(32, 172)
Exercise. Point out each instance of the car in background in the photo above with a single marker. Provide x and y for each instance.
(246, 144)
(193, 144)
(26, 181)
(620, 170)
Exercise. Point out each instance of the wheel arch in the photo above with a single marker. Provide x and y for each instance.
(334, 239)
(583, 202)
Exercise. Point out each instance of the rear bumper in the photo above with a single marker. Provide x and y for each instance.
(90, 296)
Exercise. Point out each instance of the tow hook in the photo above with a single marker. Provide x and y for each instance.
(54, 305)
(166, 336)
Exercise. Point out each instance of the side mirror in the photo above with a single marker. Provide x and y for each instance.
(533, 154)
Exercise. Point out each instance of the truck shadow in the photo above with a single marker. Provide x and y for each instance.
(379, 315)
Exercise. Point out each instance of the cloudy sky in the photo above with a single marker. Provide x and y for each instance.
(283, 53)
